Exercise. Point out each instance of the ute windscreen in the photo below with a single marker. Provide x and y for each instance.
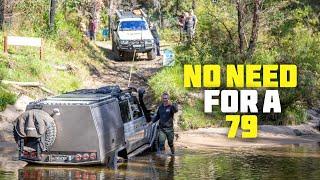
(133, 26)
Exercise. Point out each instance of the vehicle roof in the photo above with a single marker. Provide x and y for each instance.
(86, 96)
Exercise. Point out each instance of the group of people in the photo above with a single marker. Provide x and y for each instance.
(187, 24)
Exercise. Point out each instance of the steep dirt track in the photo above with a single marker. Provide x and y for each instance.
(118, 72)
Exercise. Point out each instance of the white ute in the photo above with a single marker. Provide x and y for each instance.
(131, 34)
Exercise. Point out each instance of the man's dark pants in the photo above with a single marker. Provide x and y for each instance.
(166, 133)
(157, 41)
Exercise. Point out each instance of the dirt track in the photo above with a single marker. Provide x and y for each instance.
(118, 72)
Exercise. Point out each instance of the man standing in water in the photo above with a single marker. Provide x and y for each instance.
(165, 114)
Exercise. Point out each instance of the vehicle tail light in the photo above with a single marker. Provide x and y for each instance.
(33, 154)
(93, 156)
(85, 156)
(78, 157)
(25, 153)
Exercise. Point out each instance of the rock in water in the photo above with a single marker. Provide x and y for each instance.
(297, 132)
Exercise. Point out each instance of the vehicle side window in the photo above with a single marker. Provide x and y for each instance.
(136, 110)
(125, 111)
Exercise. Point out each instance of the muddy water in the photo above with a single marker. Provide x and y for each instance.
(290, 162)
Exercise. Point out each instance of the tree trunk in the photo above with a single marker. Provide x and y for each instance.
(193, 4)
(240, 8)
(65, 9)
(255, 28)
(1, 14)
(52, 14)
(110, 18)
(161, 17)
(177, 6)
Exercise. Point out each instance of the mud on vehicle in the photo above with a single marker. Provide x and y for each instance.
(89, 126)
(131, 34)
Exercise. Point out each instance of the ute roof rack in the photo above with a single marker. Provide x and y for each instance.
(89, 96)
(102, 90)
(131, 12)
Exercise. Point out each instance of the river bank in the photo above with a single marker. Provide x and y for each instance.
(268, 136)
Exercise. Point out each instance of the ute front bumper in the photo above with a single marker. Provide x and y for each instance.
(140, 48)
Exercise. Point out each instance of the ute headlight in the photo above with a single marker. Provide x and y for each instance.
(124, 42)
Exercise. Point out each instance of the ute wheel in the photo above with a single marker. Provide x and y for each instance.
(152, 54)
(113, 46)
(116, 52)
(128, 56)
(44, 124)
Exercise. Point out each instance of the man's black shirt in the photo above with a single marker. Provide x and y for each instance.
(165, 115)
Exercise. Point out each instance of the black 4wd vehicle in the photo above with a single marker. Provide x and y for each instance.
(89, 126)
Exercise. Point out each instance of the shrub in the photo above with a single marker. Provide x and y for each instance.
(6, 97)
(169, 79)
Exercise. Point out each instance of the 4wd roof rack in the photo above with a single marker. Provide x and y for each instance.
(135, 13)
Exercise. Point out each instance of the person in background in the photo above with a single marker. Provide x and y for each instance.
(181, 23)
(195, 22)
(165, 114)
(92, 28)
(156, 37)
(186, 16)
(189, 27)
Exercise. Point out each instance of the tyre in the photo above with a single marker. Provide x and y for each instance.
(113, 46)
(152, 54)
(116, 52)
(44, 124)
(127, 56)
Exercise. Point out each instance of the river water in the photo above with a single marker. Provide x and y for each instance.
(290, 162)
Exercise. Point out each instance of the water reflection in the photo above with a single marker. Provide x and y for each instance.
(292, 162)
(144, 167)
(6, 175)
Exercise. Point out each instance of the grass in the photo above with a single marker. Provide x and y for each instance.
(171, 35)
(169, 79)
(22, 64)
(193, 117)
(6, 97)
(295, 114)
